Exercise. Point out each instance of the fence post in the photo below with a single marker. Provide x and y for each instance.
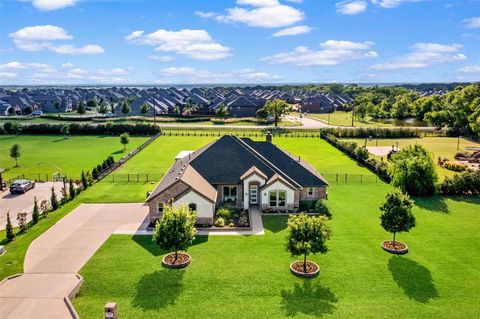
(361, 178)
(137, 177)
(346, 177)
(128, 177)
(336, 179)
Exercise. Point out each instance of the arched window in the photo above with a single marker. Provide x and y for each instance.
(192, 207)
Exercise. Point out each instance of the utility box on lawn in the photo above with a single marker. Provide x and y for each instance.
(111, 310)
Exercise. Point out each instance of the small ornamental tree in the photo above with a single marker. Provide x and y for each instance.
(126, 108)
(10, 234)
(222, 111)
(36, 211)
(176, 230)
(54, 199)
(413, 171)
(22, 221)
(103, 109)
(124, 139)
(307, 235)
(397, 213)
(84, 180)
(277, 108)
(15, 153)
(65, 130)
(144, 109)
(81, 108)
(71, 190)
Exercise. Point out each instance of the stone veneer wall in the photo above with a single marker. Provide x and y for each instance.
(318, 193)
(164, 197)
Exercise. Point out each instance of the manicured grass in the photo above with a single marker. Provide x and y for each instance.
(159, 156)
(248, 276)
(343, 118)
(439, 146)
(72, 154)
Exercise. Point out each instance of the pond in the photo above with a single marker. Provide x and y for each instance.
(410, 122)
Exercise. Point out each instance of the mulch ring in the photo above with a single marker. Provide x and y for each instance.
(182, 261)
(297, 269)
(395, 248)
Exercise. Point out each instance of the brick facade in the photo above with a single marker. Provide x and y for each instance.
(168, 194)
(318, 193)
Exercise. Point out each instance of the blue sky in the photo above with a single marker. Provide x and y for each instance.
(238, 41)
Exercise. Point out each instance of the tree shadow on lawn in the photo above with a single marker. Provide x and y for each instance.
(159, 289)
(432, 203)
(414, 278)
(275, 224)
(118, 152)
(309, 298)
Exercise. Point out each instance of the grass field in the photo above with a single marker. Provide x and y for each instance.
(438, 146)
(157, 158)
(248, 276)
(71, 154)
(343, 118)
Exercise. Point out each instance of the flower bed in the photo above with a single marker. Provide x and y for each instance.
(396, 247)
(182, 261)
(231, 217)
(297, 269)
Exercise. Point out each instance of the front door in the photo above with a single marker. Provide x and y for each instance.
(254, 194)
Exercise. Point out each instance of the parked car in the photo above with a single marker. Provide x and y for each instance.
(21, 186)
(109, 114)
(37, 113)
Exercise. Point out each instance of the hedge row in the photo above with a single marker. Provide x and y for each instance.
(67, 117)
(374, 132)
(84, 129)
(467, 183)
(360, 154)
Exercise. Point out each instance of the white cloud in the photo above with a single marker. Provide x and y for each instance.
(471, 23)
(20, 65)
(299, 29)
(114, 71)
(332, 52)
(258, 3)
(424, 55)
(389, 4)
(50, 5)
(161, 58)
(196, 44)
(68, 65)
(351, 7)
(193, 75)
(205, 14)
(470, 69)
(42, 37)
(259, 13)
(8, 75)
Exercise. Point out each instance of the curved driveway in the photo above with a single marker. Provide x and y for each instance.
(54, 259)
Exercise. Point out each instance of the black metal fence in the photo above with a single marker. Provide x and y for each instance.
(332, 178)
(37, 177)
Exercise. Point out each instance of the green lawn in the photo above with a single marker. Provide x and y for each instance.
(71, 154)
(248, 276)
(439, 146)
(343, 118)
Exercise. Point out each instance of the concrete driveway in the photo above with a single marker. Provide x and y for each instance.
(24, 202)
(53, 259)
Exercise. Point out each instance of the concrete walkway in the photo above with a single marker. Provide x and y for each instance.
(53, 259)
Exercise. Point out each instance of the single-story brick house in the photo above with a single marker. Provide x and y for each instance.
(239, 172)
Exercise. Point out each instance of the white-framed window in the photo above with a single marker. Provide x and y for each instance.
(160, 208)
(310, 191)
(277, 198)
(192, 207)
(230, 193)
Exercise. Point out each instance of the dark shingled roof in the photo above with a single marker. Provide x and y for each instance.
(225, 160)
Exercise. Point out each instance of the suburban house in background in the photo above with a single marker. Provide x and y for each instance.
(239, 172)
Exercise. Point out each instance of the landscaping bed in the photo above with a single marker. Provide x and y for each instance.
(297, 269)
(394, 247)
(228, 217)
(182, 261)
